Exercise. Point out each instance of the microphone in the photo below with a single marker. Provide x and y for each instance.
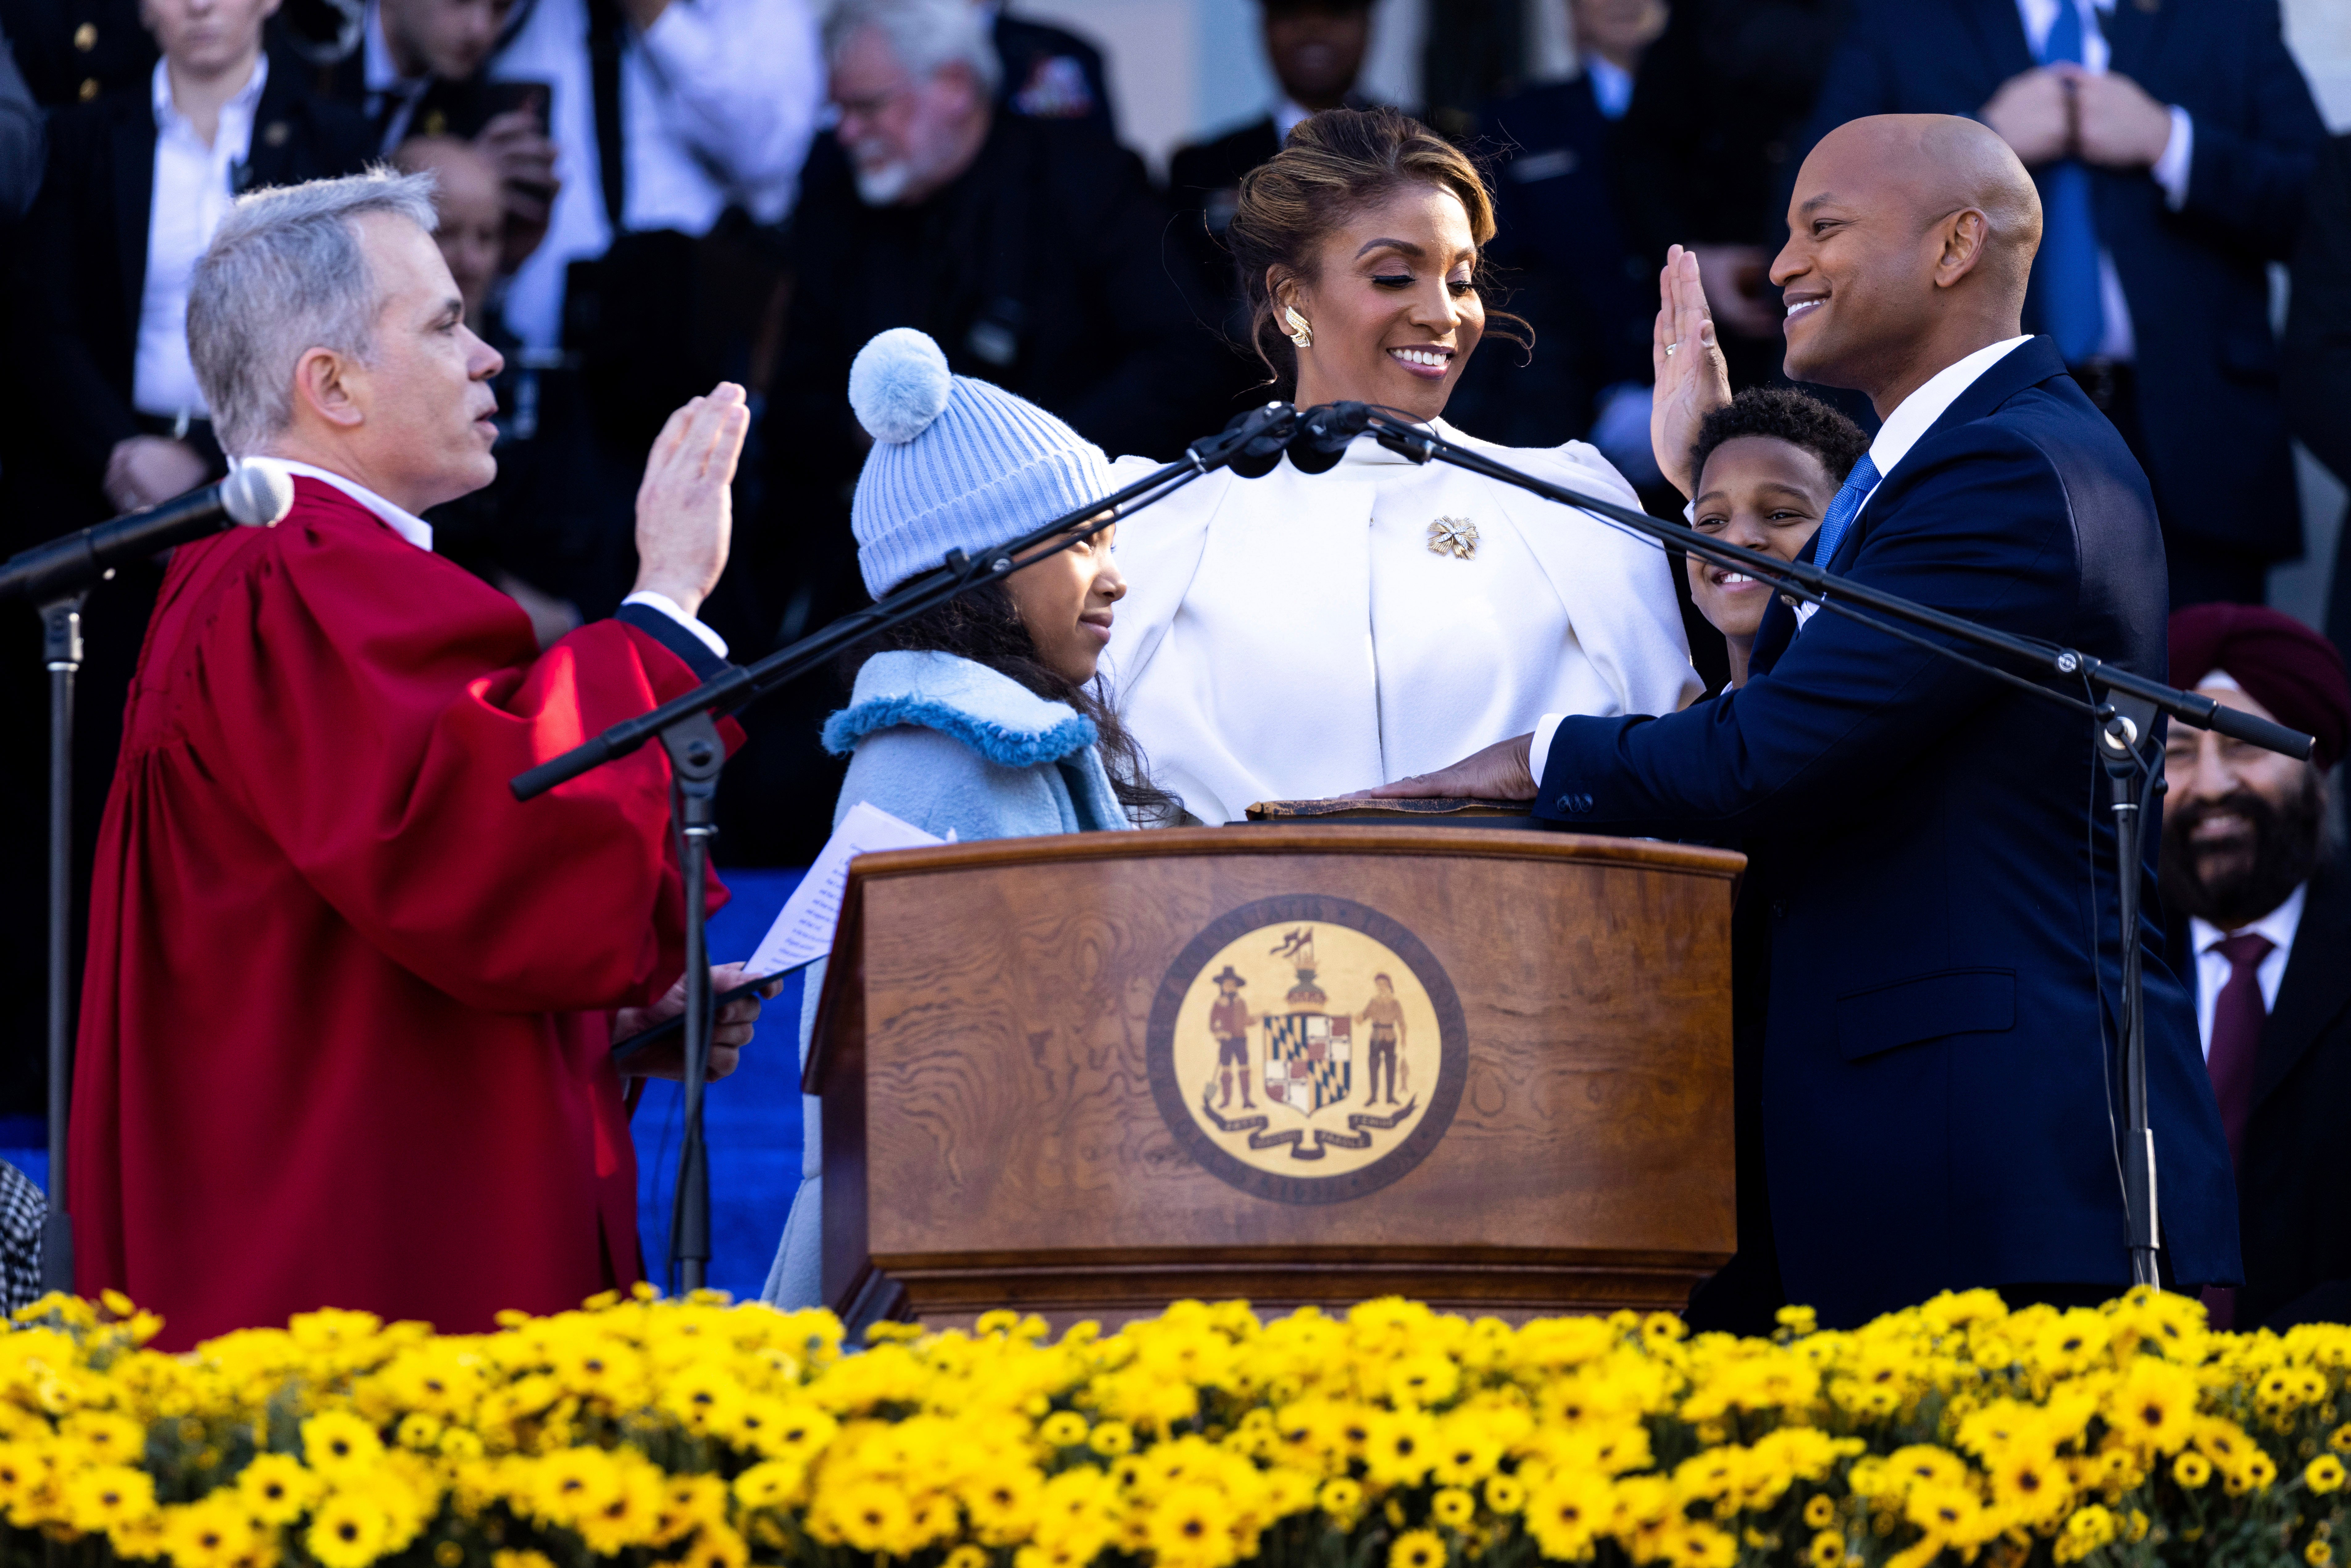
(1325, 433)
(1315, 439)
(254, 497)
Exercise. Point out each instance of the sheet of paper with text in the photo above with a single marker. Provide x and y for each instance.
(803, 930)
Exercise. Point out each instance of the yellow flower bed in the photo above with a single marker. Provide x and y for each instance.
(644, 1431)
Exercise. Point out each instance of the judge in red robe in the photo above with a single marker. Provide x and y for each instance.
(346, 1026)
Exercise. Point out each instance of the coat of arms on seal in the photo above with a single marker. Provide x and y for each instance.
(1307, 1049)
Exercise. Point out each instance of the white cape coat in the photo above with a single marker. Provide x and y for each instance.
(1295, 637)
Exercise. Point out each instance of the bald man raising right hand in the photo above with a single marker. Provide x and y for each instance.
(1931, 889)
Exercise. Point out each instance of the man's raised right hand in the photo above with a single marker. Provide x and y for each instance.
(686, 515)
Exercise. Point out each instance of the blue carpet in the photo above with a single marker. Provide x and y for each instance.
(752, 1120)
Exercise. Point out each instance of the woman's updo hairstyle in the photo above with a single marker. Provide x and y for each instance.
(1336, 164)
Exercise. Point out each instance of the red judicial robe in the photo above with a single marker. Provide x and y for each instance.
(342, 1032)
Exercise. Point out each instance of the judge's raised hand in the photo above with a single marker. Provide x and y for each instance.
(686, 513)
(1501, 772)
(1692, 378)
(666, 1059)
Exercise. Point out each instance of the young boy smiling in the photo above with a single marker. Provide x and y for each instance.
(1768, 464)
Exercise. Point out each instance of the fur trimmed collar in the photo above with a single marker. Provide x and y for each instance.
(994, 715)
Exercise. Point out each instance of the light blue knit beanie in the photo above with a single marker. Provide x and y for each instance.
(957, 464)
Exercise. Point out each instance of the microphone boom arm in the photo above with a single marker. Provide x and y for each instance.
(744, 683)
(1810, 583)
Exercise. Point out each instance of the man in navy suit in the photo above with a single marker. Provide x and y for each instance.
(2172, 143)
(1931, 859)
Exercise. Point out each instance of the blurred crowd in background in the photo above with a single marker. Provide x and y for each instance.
(640, 198)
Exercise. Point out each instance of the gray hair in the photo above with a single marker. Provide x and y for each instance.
(285, 274)
(925, 36)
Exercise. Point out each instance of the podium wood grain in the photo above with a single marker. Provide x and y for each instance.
(991, 1138)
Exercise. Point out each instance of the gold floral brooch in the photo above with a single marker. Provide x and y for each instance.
(1456, 537)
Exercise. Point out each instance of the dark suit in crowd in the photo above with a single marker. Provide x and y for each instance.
(1718, 116)
(1050, 73)
(2294, 1186)
(1204, 186)
(84, 265)
(72, 50)
(1714, 134)
(1925, 845)
(2201, 410)
(1040, 268)
(1560, 259)
(445, 108)
(1199, 173)
(2318, 348)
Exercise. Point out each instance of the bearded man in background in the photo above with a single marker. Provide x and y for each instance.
(2252, 862)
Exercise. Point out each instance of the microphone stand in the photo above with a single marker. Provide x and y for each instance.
(61, 653)
(686, 727)
(58, 576)
(2123, 705)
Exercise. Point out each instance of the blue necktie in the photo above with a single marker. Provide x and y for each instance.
(1857, 486)
(2071, 306)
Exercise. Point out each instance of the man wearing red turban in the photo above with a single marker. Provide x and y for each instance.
(2250, 860)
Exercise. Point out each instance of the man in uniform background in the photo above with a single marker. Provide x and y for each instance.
(1385, 1015)
(1228, 1020)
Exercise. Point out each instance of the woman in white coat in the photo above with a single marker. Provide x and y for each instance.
(1300, 636)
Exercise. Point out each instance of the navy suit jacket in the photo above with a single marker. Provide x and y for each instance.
(1941, 1083)
(2195, 279)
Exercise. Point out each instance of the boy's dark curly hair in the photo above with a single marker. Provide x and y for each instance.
(1785, 414)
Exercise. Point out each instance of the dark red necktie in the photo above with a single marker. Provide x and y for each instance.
(2238, 1014)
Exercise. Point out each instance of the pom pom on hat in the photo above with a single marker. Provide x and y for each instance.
(898, 384)
(957, 464)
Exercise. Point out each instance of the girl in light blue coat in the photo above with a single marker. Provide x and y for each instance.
(982, 718)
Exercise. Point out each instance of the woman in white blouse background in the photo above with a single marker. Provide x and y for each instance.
(1300, 636)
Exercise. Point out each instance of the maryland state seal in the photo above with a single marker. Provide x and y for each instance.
(1307, 1049)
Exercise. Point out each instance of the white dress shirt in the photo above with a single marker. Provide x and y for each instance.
(1295, 636)
(2212, 968)
(1911, 418)
(419, 532)
(719, 101)
(195, 187)
(2170, 170)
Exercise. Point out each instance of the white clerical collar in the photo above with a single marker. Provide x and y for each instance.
(1917, 413)
(1287, 115)
(405, 523)
(2278, 925)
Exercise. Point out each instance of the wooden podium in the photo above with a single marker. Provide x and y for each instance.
(1089, 1075)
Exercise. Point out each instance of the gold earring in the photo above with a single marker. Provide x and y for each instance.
(1300, 331)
